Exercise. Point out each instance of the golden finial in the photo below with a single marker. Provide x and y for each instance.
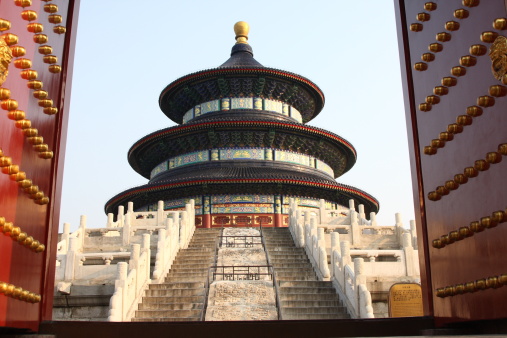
(241, 28)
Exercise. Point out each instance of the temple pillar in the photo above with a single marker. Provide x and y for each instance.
(278, 211)
(206, 212)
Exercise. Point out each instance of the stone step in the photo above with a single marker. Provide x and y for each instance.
(197, 250)
(176, 285)
(310, 316)
(195, 266)
(194, 259)
(309, 303)
(313, 310)
(295, 265)
(167, 313)
(270, 239)
(296, 269)
(171, 306)
(290, 278)
(171, 279)
(308, 290)
(188, 269)
(282, 249)
(283, 256)
(168, 319)
(172, 300)
(175, 292)
(294, 274)
(307, 296)
(311, 284)
(276, 261)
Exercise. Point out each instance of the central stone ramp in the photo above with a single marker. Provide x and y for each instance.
(243, 288)
(302, 295)
(181, 296)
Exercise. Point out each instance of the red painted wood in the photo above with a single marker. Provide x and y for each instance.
(480, 256)
(21, 266)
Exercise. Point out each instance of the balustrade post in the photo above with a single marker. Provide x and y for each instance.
(65, 237)
(122, 271)
(82, 226)
(70, 260)
(413, 234)
(408, 251)
(322, 212)
(362, 215)
(162, 254)
(335, 246)
(134, 261)
(126, 231)
(359, 279)
(110, 220)
(160, 213)
(147, 251)
(373, 219)
(129, 216)
(355, 231)
(120, 217)
(399, 227)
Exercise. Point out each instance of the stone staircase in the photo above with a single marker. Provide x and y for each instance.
(302, 295)
(181, 296)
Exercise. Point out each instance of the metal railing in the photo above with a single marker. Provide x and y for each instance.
(218, 240)
(275, 282)
(240, 241)
(248, 272)
(241, 272)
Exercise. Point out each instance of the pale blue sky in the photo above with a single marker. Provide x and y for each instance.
(128, 51)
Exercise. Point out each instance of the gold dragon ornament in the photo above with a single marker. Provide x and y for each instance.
(498, 56)
(5, 60)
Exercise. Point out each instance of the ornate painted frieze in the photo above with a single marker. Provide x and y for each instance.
(210, 106)
(195, 157)
(287, 156)
(255, 208)
(158, 169)
(242, 103)
(223, 199)
(181, 202)
(295, 114)
(251, 154)
(324, 167)
(242, 154)
(229, 103)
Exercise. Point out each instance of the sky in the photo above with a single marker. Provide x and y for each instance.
(128, 51)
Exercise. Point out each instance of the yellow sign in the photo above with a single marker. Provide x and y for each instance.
(405, 300)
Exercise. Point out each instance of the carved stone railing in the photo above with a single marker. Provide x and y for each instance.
(74, 266)
(350, 275)
(167, 248)
(350, 281)
(132, 279)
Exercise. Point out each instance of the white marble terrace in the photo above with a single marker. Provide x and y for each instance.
(361, 258)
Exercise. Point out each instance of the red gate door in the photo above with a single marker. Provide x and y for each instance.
(36, 49)
(454, 60)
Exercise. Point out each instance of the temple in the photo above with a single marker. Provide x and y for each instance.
(242, 148)
(241, 219)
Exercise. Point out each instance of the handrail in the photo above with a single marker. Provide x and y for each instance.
(275, 282)
(207, 284)
(250, 271)
(243, 243)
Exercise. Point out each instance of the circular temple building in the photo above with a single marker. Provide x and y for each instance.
(242, 148)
